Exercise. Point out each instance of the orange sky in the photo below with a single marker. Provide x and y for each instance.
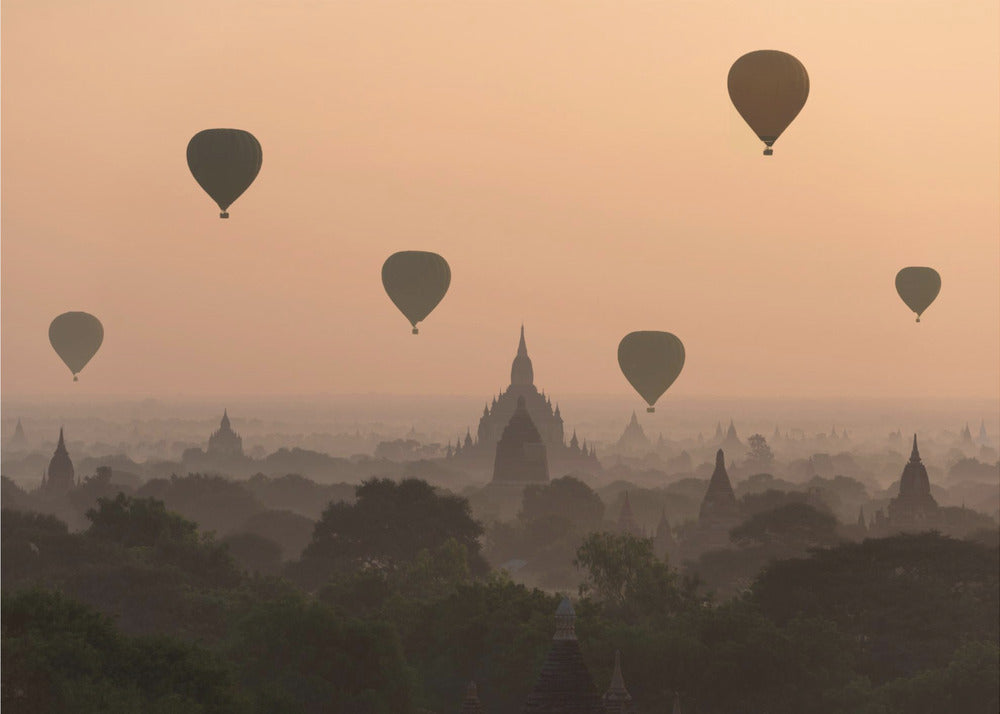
(579, 164)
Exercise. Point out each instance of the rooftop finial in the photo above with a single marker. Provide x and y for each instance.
(720, 459)
(915, 455)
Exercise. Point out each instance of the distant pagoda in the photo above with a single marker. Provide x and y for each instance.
(626, 521)
(914, 507)
(634, 440)
(719, 507)
(480, 449)
(60, 476)
(225, 443)
(520, 453)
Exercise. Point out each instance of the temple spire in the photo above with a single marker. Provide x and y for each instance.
(565, 621)
(617, 700)
(61, 446)
(915, 455)
(521, 372)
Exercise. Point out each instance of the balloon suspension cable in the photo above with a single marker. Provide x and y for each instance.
(224, 214)
(416, 331)
(650, 409)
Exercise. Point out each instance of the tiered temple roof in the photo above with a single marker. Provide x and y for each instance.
(520, 453)
(565, 685)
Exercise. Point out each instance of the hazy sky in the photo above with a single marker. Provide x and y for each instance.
(579, 165)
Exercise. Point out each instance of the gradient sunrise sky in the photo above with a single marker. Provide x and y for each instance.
(579, 164)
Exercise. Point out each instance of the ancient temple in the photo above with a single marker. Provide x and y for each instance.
(547, 419)
(664, 543)
(719, 507)
(626, 521)
(520, 452)
(60, 475)
(565, 685)
(634, 440)
(731, 442)
(17, 440)
(225, 443)
(914, 507)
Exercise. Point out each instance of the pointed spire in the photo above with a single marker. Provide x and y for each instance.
(617, 698)
(565, 621)
(634, 421)
(61, 446)
(915, 454)
(522, 348)
(861, 518)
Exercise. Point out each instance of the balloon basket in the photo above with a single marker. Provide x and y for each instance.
(650, 410)
(918, 319)
(224, 214)
(75, 378)
(416, 331)
(768, 151)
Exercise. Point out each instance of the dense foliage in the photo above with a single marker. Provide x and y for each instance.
(390, 609)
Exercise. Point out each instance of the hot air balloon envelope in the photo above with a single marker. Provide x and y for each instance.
(415, 281)
(651, 361)
(76, 337)
(224, 162)
(918, 287)
(768, 89)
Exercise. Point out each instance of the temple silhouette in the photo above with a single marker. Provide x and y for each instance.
(224, 442)
(520, 453)
(914, 508)
(481, 452)
(60, 475)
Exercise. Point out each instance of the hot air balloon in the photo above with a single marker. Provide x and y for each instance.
(769, 89)
(650, 361)
(415, 281)
(918, 287)
(224, 162)
(76, 337)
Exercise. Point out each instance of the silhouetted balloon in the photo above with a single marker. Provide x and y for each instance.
(76, 337)
(918, 287)
(416, 281)
(768, 89)
(650, 361)
(224, 162)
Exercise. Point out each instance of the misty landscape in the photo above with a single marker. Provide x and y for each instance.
(509, 358)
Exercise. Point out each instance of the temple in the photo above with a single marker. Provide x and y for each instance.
(60, 476)
(520, 452)
(664, 543)
(564, 685)
(225, 443)
(633, 440)
(914, 507)
(17, 440)
(547, 420)
(626, 521)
